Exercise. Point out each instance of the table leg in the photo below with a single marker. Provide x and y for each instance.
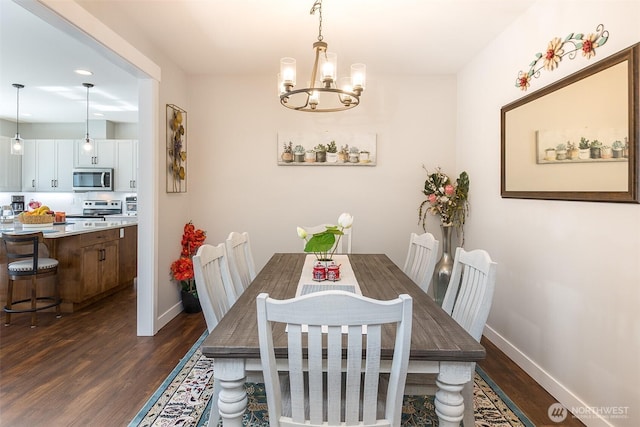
(233, 398)
(449, 401)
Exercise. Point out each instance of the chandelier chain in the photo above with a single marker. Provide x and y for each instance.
(317, 6)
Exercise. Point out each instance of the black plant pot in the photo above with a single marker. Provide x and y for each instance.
(190, 302)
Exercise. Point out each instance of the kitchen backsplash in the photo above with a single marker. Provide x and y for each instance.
(65, 202)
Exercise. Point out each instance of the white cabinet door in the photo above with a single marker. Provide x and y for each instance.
(10, 167)
(46, 165)
(103, 154)
(54, 165)
(29, 169)
(64, 167)
(126, 173)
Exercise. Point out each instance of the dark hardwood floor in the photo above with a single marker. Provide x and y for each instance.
(90, 369)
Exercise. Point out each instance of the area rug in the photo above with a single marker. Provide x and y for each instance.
(184, 399)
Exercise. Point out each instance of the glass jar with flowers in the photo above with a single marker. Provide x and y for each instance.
(450, 201)
(182, 268)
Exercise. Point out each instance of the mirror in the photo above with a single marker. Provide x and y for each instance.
(576, 139)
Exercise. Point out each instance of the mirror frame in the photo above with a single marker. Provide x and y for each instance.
(631, 195)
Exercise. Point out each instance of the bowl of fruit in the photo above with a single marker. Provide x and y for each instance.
(38, 216)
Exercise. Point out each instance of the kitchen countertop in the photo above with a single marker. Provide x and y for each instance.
(70, 228)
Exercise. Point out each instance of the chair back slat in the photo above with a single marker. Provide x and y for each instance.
(241, 264)
(213, 283)
(421, 259)
(349, 386)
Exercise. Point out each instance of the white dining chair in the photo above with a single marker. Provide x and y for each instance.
(213, 283)
(343, 245)
(241, 264)
(468, 300)
(421, 259)
(217, 294)
(348, 386)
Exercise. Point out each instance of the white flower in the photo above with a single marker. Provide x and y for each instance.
(345, 220)
(302, 233)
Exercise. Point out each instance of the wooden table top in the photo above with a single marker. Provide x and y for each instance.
(435, 335)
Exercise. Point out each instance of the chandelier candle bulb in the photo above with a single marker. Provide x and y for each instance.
(358, 73)
(288, 72)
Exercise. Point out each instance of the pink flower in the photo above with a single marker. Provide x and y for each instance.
(432, 198)
(449, 190)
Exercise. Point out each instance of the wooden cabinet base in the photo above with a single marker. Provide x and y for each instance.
(91, 266)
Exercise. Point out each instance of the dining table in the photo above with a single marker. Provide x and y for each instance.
(439, 345)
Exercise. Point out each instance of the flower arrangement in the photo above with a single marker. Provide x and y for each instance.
(445, 198)
(324, 244)
(182, 268)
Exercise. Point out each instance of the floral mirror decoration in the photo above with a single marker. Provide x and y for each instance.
(176, 149)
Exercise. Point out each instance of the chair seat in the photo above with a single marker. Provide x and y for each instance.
(27, 264)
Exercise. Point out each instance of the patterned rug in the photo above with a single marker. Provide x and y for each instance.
(184, 397)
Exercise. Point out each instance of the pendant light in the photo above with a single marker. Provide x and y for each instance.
(17, 147)
(88, 142)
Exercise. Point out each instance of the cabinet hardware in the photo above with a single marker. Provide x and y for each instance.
(33, 183)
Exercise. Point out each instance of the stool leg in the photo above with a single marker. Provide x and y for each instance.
(7, 319)
(34, 314)
(57, 297)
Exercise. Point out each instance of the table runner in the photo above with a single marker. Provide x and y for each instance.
(347, 276)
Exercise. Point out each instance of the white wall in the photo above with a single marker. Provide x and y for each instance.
(568, 287)
(171, 210)
(236, 184)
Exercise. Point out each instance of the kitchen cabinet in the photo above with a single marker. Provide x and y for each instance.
(90, 266)
(29, 169)
(54, 165)
(93, 263)
(103, 154)
(126, 172)
(10, 167)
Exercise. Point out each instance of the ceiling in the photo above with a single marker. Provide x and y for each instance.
(240, 37)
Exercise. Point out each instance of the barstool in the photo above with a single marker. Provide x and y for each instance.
(24, 248)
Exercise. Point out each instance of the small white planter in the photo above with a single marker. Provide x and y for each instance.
(332, 157)
(584, 153)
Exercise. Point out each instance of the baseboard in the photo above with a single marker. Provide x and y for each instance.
(561, 393)
(168, 315)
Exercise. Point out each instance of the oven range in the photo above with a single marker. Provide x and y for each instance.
(96, 210)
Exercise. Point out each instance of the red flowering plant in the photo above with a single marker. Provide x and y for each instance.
(182, 268)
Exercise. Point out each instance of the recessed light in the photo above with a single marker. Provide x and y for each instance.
(83, 72)
(98, 114)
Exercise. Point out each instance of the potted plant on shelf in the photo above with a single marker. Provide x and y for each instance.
(572, 150)
(595, 147)
(606, 152)
(617, 148)
(182, 268)
(550, 153)
(287, 154)
(625, 150)
(343, 154)
(584, 148)
(561, 151)
(354, 155)
(321, 153)
(298, 154)
(332, 152)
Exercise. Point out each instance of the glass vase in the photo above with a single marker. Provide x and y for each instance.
(443, 269)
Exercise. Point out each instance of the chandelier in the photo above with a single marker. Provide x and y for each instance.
(324, 91)
(16, 142)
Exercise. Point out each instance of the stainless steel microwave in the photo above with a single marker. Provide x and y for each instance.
(89, 179)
